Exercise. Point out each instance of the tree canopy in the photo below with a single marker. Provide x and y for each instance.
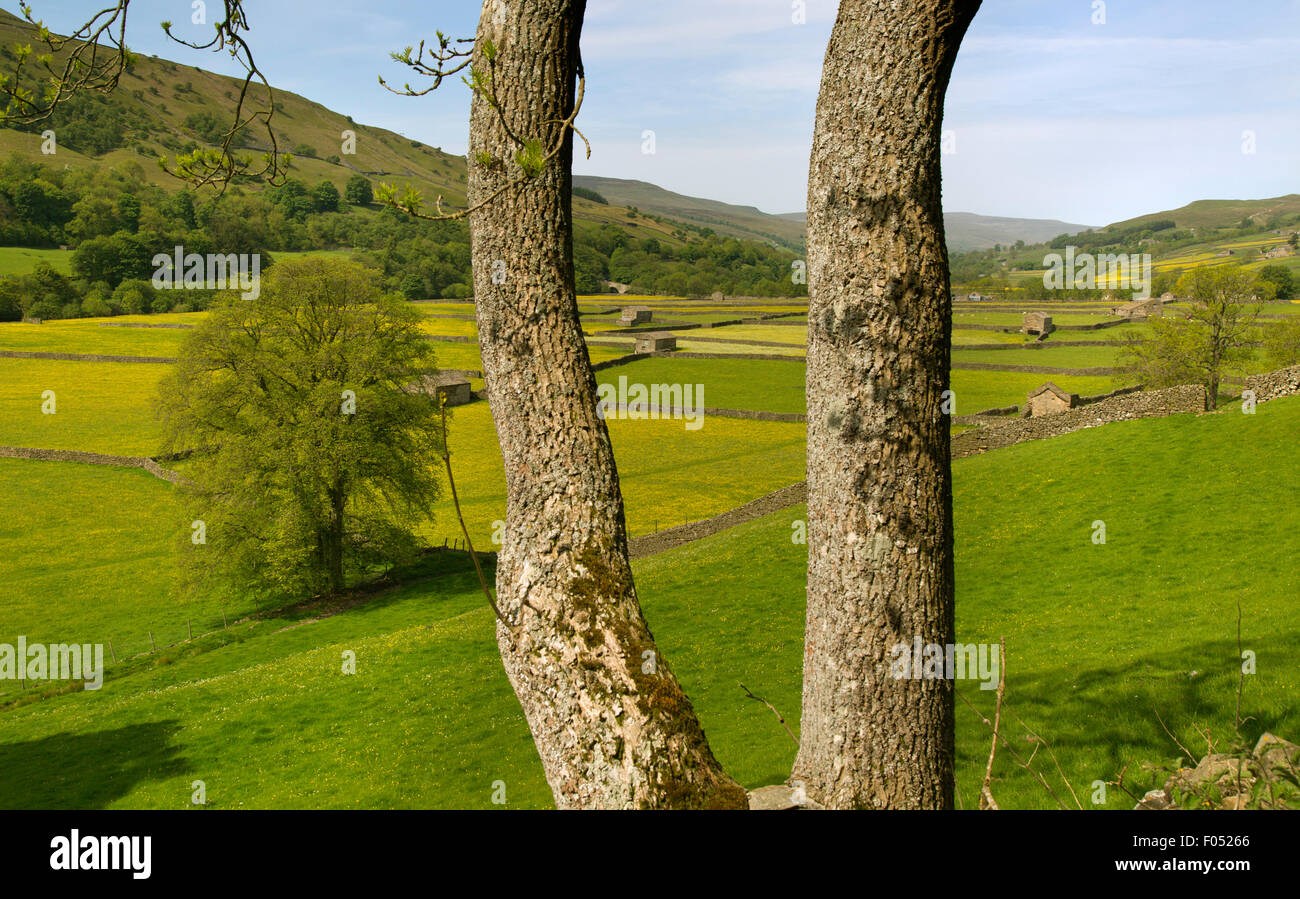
(317, 450)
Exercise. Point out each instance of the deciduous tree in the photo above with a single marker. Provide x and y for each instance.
(1211, 339)
(318, 453)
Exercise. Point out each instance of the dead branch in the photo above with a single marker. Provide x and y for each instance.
(451, 482)
(778, 715)
(986, 793)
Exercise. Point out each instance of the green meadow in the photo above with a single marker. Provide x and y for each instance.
(99, 407)
(1102, 356)
(757, 384)
(661, 467)
(1105, 641)
(89, 337)
(976, 391)
(1103, 644)
(21, 260)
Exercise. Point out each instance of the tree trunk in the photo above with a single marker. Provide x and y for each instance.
(880, 564)
(610, 721)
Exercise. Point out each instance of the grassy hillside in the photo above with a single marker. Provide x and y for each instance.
(968, 231)
(725, 218)
(1103, 644)
(159, 95)
(1207, 232)
(1218, 213)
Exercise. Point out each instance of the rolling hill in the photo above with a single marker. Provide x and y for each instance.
(737, 221)
(163, 103)
(165, 99)
(969, 231)
(1203, 214)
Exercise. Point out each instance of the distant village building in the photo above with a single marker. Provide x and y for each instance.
(1167, 298)
(1048, 400)
(1222, 253)
(718, 296)
(635, 315)
(1280, 251)
(615, 287)
(656, 342)
(1139, 310)
(1037, 323)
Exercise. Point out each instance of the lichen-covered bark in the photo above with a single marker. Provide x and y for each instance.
(611, 723)
(880, 565)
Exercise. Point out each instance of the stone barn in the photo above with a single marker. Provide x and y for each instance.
(634, 315)
(1039, 323)
(1140, 310)
(656, 342)
(453, 388)
(1048, 400)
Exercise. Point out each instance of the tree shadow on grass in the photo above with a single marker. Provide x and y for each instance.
(1134, 711)
(87, 771)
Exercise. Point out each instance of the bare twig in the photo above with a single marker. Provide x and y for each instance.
(1241, 674)
(88, 65)
(986, 793)
(1190, 756)
(484, 85)
(451, 482)
(1048, 747)
(1119, 782)
(1017, 756)
(778, 715)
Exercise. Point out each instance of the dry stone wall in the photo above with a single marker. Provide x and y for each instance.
(82, 357)
(1145, 404)
(1033, 369)
(50, 455)
(1283, 382)
(696, 530)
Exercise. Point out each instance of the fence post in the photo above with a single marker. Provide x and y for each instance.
(152, 647)
(110, 651)
(189, 630)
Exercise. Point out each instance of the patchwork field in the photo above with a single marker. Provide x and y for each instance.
(91, 337)
(99, 407)
(1102, 356)
(687, 345)
(1100, 640)
(1015, 319)
(757, 384)
(976, 391)
(669, 474)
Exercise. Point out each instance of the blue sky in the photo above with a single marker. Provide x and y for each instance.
(1051, 115)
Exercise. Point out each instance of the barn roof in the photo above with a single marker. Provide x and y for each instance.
(1050, 387)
